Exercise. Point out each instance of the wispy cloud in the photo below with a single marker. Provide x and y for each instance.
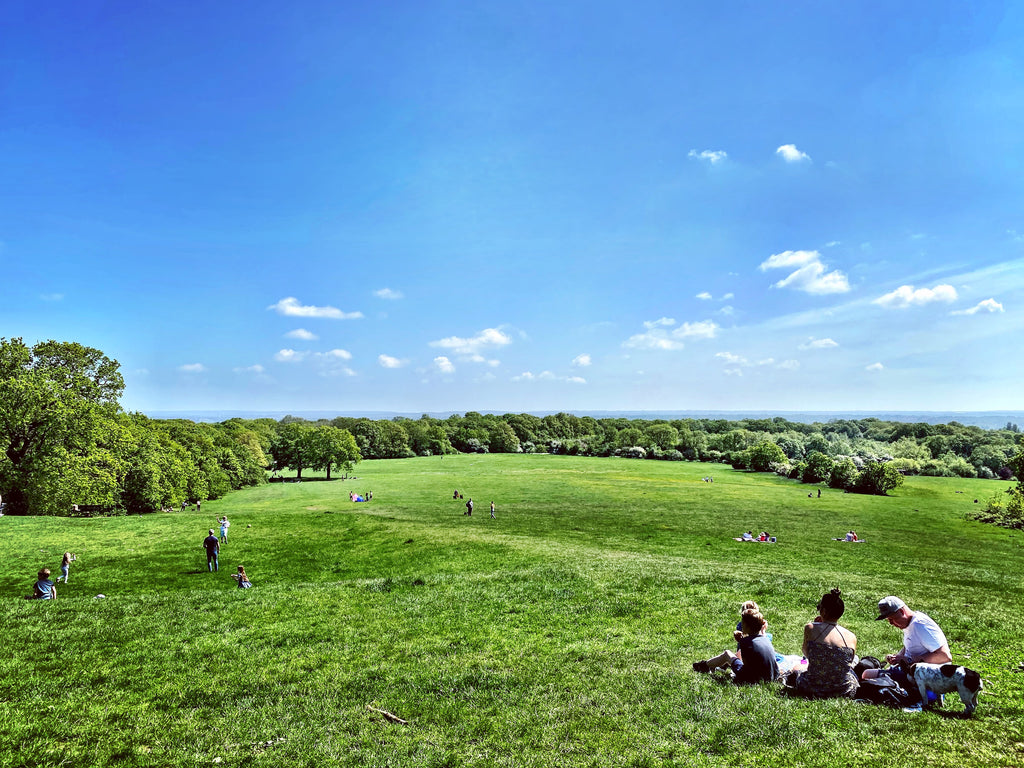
(809, 273)
(988, 305)
(443, 364)
(387, 361)
(814, 343)
(713, 156)
(791, 154)
(874, 367)
(290, 307)
(703, 296)
(289, 356)
(192, 368)
(908, 296)
(581, 361)
(387, 293)
(301, 333)
(548, 376)
(253, 369)
(657, 337)
(52, 297)
(334, 354)
(486, 339)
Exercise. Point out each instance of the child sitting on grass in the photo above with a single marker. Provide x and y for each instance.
(241, 578)
(754, 661)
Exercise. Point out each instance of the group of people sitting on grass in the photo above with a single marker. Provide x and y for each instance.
(828, 667)
(764, 537)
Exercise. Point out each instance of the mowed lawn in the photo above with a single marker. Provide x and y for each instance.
(559, 634)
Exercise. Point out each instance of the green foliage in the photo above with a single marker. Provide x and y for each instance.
(818, 468)
(765, 455)
(878, 478)
(1005, 510)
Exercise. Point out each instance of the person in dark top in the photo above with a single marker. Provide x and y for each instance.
(754, 662)
(212, 546)
(469, 507)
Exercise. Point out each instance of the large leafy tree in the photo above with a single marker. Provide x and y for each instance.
(332, 447)
(53, 399)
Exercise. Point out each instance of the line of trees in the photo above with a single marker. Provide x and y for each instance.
(65, 441)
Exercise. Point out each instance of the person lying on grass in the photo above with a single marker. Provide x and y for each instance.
(754, 662)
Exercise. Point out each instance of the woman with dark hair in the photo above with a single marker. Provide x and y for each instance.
(830, 651)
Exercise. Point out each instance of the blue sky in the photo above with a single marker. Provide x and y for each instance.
(428, 206)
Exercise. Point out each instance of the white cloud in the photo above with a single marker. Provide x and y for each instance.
(705, 329)
(303, 334)
(810, 275)
(52, 297)
(548, 376)
(814, 343)
(387, 293)
(489, 337)
(789, 365)
(727, 296)
(335, 354)
(732, 372)
(791, 154)
(387, 361)
(289, 356)
(874, 367)
(192, 368)
(581, 361)
(444, 365)
(704, 296)
(908, 296)
(713, 156)
(290, 307)
(727, 310)
(662, 322)
(250, 369)
(730, 358)
(988, 305)
(652, 340)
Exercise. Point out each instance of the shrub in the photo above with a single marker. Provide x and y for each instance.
(1005, 510)
(633, 452)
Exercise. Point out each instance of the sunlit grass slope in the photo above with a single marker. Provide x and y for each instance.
(560, 633)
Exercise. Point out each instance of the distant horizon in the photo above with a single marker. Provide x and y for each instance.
(995, 419)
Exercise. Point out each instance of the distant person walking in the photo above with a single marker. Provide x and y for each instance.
(212, 546)
(469, 507)
(492, 511)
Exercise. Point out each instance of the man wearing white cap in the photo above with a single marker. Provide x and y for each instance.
(923, 641)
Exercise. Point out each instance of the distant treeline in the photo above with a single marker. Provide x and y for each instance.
(67, 444)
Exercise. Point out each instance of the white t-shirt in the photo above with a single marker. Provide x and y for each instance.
(921, 637)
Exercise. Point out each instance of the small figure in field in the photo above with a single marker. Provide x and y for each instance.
(754, 662)
(44, 589)
(819, 493)
(455, 495)
(241, 578)
(224, 525)
(212, 546)
(198, 502)
(469, 507)
(183, 505)
(492, 511)
(65, 566)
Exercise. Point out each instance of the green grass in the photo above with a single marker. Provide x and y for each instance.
(559, 634)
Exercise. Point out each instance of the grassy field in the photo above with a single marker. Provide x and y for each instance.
(559, 634)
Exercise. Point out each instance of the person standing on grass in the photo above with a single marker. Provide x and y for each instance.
(469, 507)
(492, 511)
(224, 525)
(212, 546)
(65, 566)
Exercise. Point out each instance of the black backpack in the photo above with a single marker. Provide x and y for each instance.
(884, 690)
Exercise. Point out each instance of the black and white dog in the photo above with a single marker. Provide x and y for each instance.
(946, 678)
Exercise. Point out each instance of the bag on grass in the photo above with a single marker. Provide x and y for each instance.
(885, 691)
